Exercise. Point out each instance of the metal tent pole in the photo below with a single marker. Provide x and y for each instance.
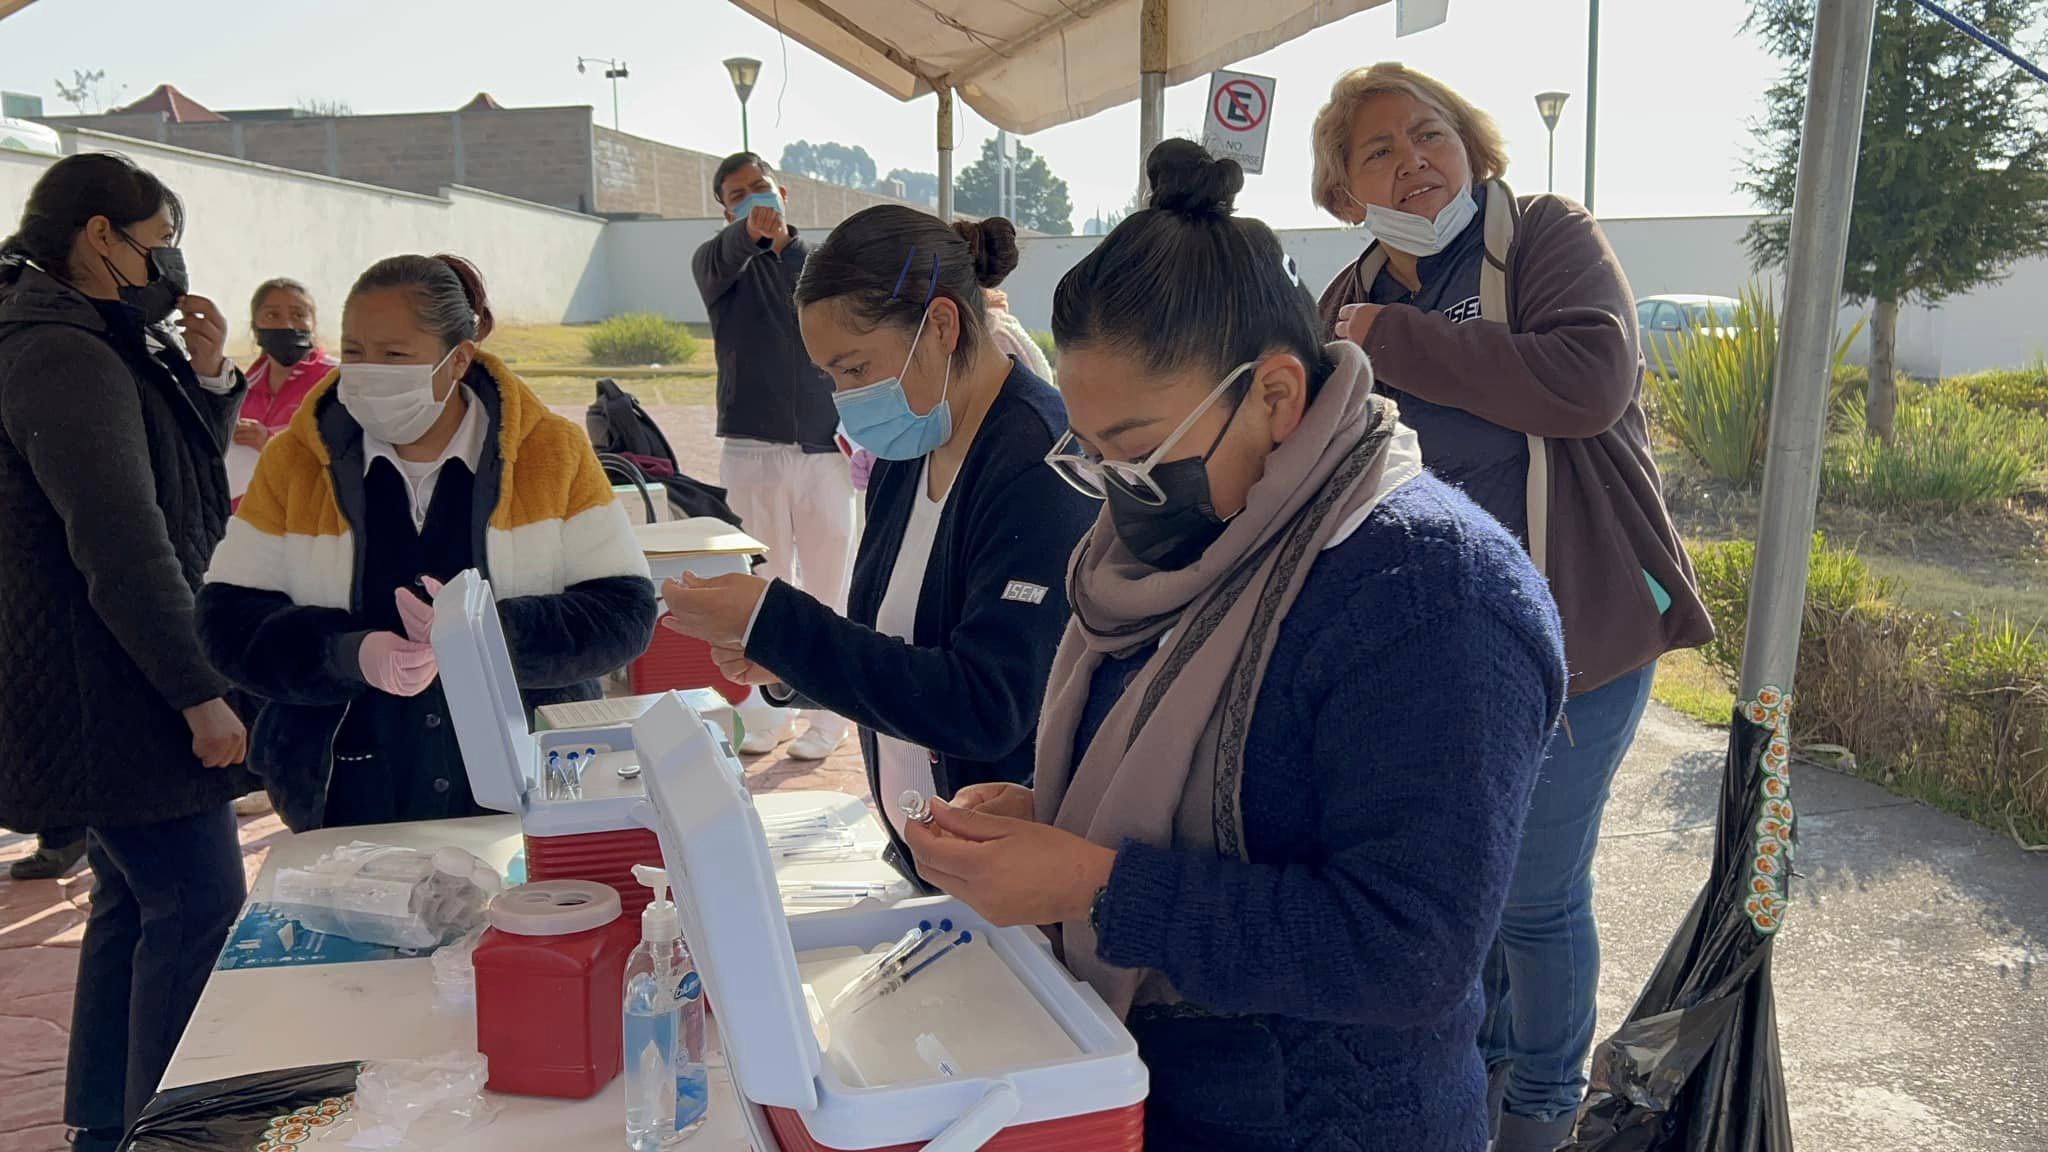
(946, 154)
(1151, 85)
(1592, 96)
(1821, 205)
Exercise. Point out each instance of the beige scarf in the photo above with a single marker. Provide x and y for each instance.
(1167, 764)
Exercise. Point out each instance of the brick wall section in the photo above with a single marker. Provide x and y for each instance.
(535, 154)
(300, 145)
(552, 156)
(645, 176)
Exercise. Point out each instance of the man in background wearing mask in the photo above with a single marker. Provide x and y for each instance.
(780, 460)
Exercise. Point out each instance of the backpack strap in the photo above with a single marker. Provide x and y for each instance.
(1496, 292)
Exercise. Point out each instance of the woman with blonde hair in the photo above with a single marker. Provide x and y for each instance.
(1505, 330)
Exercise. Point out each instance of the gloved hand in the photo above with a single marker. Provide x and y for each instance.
(391, 663)
(862, 464)
(418, 614)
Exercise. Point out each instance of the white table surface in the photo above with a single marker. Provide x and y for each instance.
(263, 1019)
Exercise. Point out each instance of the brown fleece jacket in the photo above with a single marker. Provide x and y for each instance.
(1565, 369)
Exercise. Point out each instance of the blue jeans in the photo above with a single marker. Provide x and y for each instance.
(163, 899)
(1543, 972)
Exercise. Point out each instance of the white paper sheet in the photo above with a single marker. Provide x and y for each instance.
(241, 468)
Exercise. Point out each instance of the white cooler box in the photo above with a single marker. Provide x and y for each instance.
(999, 1048)
(586, 833)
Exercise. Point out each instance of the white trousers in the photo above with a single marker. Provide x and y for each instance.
(801, 506)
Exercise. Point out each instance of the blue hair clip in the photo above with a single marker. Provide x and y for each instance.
(932, 290)
(898, 289)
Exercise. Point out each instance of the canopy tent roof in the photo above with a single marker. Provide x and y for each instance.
(1028, 65)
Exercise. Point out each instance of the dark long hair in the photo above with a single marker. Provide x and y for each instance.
(73, 191)
(890, 262)
(1185, 284)
(447, 293)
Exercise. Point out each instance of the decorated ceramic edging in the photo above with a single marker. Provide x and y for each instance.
(1772, 864)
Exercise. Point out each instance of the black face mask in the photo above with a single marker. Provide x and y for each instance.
(287, 346)
(168, 282)
(1174, 534)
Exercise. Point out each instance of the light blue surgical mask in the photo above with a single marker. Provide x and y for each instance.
(769, 200)
(879, 418)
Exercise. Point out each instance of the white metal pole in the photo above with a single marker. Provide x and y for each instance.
(1592, 95)
(946, 154)
(1819, 243)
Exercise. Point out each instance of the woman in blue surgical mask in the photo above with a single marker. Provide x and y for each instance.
(422, 457)
(957, 597)
(1506, 331)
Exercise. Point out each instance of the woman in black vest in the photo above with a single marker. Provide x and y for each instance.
(113, 493)
(958, 595)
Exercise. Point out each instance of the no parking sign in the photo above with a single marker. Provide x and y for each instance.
(1240, 112)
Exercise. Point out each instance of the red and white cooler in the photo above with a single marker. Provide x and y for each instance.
(586, 833)
(998, 1048)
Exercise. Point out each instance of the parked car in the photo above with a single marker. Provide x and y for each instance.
(1666, 320)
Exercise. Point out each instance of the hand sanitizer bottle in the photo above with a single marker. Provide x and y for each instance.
(667, 1085)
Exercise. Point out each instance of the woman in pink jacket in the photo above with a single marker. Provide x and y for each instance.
(286, 323)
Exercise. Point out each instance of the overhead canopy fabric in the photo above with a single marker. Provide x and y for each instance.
(1028, 65)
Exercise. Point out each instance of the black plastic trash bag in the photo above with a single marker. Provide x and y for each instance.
(1696, 1066)
(264, 1112)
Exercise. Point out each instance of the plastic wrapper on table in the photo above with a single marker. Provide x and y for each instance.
(1696, 1066)
(264, 1112)
(400, 897)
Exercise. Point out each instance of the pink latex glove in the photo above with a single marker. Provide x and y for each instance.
(391, 663)
(418, 614)
(862, 464)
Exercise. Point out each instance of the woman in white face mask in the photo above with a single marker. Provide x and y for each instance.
(1506, 331)
(422, 457)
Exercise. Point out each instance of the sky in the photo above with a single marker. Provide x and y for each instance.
(1680, 85)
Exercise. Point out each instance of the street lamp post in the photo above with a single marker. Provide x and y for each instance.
(744, 70)
(614, 71)
(1550, 106)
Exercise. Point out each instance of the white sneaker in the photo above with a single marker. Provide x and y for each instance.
(815, 744)
(254, 804)
(762, 741)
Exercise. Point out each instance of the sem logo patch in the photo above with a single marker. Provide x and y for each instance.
(1023, 593)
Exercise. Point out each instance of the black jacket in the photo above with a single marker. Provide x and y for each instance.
(301, 660)
(768, 389)
(112, 496)
(989, 613)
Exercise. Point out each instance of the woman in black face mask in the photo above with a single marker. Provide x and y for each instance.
(1290, 732)
(113, 425)
(286, 325)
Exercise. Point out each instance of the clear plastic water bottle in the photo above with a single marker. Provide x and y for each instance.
(667, 1083)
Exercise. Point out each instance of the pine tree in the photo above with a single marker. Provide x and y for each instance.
(1042, 201)
(1952, 180)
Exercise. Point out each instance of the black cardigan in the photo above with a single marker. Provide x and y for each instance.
(113, 495)
(989, 613)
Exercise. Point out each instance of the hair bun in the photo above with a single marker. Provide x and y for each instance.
(992, 241)
(1187, 181)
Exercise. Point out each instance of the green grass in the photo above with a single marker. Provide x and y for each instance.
(537, 348)
(1690, 686)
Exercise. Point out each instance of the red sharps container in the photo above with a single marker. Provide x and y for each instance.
(548, 974)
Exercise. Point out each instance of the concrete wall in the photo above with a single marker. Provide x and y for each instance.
(649, 266)
(1995, 326)
(247, 223)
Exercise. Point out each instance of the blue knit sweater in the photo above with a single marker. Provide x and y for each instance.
(1332, 982)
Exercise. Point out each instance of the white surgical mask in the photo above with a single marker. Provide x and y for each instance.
(1419, 235)
(393, 402)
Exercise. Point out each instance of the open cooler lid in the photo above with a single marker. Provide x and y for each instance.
(498, 748)
(718, 865)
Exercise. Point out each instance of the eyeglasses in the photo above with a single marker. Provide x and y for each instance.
(1089, 474)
